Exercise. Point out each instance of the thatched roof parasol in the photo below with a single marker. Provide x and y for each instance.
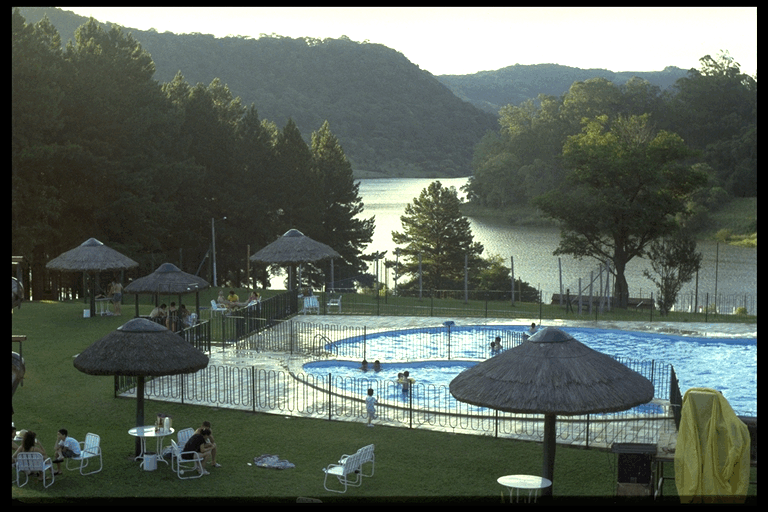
(168, 278)
(552, 373)
(292, 249)
(140, 348)
(91, 256)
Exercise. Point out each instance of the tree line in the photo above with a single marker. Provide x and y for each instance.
(713, 109)
(628, 171)
(102, 149)
(395, 120)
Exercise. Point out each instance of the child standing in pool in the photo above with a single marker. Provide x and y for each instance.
(370, 405)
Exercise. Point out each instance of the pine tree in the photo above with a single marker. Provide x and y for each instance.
(435, 229)
(340, 205)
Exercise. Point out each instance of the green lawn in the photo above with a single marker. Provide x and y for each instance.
(410, 464)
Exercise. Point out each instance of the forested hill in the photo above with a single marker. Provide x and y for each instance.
(392, 118)
(491, 90)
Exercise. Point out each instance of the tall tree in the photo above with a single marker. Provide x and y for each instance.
(625, 188)
(340, 206)
(435, 229)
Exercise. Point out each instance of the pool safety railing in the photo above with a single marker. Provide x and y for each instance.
(429, 406)
(425, 406)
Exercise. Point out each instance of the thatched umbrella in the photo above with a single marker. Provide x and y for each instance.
(140, 348)
(168, 278)
(551, 373)
(294, 248)
(91, 256)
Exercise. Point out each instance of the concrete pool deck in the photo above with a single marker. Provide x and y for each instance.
(662, 433)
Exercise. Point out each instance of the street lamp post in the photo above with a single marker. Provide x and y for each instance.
(213, 249)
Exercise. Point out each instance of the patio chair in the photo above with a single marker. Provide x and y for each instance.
(89, 449)
(311, 304)
(32, 462)
(333, 302)
(217, 307)
(183, 436)
(183, 465)
(347, 471)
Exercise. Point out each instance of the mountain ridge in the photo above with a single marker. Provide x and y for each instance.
(392, 118)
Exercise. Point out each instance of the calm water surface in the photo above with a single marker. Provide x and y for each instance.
(725, 268)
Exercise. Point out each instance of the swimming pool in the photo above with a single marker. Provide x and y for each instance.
(725, 364)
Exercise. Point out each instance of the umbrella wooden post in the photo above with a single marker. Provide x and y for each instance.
(550, 445)
(139, 409)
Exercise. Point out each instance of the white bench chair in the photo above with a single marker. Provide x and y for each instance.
(349, 470)
(333, 302)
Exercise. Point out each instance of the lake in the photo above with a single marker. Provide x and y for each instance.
(728, 269)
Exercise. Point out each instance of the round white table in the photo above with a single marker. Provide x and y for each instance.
(149, 431)
(529, 483)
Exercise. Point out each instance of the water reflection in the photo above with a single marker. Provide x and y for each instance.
(725, 269)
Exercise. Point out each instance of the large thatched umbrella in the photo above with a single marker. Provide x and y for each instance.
(91, 256)
(168, 278)
(551, 373)
(140, 348)
(294, 248)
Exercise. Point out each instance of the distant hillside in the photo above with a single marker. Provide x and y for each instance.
(392, 118)
(491, 90)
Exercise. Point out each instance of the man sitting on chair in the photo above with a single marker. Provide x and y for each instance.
(198, 443)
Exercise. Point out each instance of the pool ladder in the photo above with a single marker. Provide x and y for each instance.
(320, 340)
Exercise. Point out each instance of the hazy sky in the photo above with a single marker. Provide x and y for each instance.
(463, 40)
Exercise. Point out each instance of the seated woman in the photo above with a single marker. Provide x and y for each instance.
(29, 443)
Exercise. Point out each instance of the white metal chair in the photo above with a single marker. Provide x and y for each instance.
(89, 449)
(217, 307)
(194, 464)
(32, 462)
(183, 436)
(347, 471)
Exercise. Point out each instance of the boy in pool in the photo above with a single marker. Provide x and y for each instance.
(370, 405)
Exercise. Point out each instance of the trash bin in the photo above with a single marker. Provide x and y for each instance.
(150, 461)
(634, 468)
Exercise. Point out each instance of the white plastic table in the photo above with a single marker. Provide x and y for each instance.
(529, 483)
(103, 306)
(148, 431)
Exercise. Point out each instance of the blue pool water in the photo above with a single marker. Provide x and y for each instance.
(726, 364)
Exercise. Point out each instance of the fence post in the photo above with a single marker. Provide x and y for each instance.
(330, 398)
(253, 387)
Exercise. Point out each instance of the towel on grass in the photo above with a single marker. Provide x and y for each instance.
(272, 462)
